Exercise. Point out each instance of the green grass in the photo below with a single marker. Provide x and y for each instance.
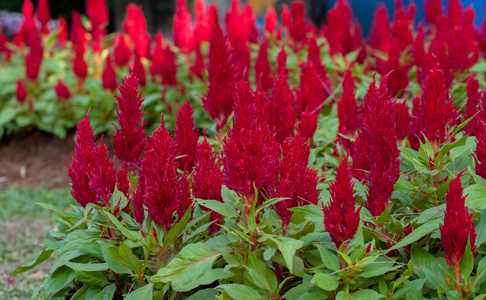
(23, 227)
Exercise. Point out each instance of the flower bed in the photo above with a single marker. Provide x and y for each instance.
(316, 181)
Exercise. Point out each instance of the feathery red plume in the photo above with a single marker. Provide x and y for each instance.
(63, 33)
(21, 91)
(139, 70)
(135, 26)
(182, 31)
(263, 68)
(472, 106)
(347, 109)
(97, 12)
(186, 137)
(279, 112)
(43, 15)
(202, 27)
(308, 124)
(341, 218)
(109, 76)
(121, 52)
(270, 20)
(62, 91)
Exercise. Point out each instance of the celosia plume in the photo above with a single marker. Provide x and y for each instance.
(219, 99)
(109, 76)
(97, 11)
(186, 137)
(347, 110)
(375, 152)
(43, 15)
(402, 119)
(77, 34)
(135, 26)
(263, 68)
(165, 191)
(207, 179)
(129, 138)
(279, 112)
(122, 52)
(282, 61)
(157, 55)
(202, 26)
(168, 67)
(198, 67)
(63, 32)
(80, 68)
(21, 91)
(308, 124)
(473, 107)
(270, 20)
(62, 91)
(33, 60)
(458, 227)
(139, 70)
(480, 153)
(28, 30)
(183, 34)
(297, 28)
(342, 35)
(341, 218)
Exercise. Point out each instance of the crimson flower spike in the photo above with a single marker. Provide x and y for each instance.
(472, 106)
(43, 15)
(458, 227)
(164, 190)
(375, 149)
(219, 99)
(97, 11)
(129, 139)
(202, 28)
(122, 52)
(135, 26)
(347, 110)
(109, 76)
(480, 153)
(270, 20)
(63, 32)
(62, 91)
(182, 30)
(341, 218)
(207, 179)
(263, 68)
(186, 137)
(21, 91)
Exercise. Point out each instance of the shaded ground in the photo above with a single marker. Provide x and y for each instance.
(37, 160)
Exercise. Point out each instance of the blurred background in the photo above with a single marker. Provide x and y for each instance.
(159, 12)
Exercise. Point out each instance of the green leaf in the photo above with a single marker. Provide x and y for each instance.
(118, 198)
(59, 279)
(417, 234)
(480, 274)
(325, 282)
(193, 262)
(269, 203)
(330, 260)
(257, 268)
(112, 258)
(143, 293)
(127, 233)
(41, 258)
(476, 196)
(128, 260)
(179, 228)
(426, 265)
(98, 278)
(288, 247)
(229, 197)
(219, 207)
(311, 212)
(460, 126)
(365, 294)
(467, 262)
(481, 229)
(203, 294)
(240, 291)
(7, 114)
(86, 267)
(106, 294)
(448, 147)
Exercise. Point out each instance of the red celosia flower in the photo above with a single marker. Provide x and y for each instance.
(270, 20)
(97, 11)
(286, 16)
(202, 27)
(157, 55)
(432, 9)
(165, 191)
(219, 99)
(314, 87)
(109, 76)
(136, 27)
(279, 112)
(182, 31)
(402, 119)
(129, 139)
(198, 67)
(340, 32)
(402, 26)
(308, 124)
(207, 179)
(375, 149)
(480, 153)
(186, 137)
(282, 61)
(80, 68)
(33, 60)
(43, 15)
(63, 32)
(62, 91)
(139, 70)
(28, 30)
(297, 28)
(77, 34)
(458, 227)
(435, 113)
(21, 91)
(92, 173)
(341, 218)
(473, 107)
(262, 67)
(380, 30)
(122, 52)
(213, 17)
(347, 110)
(251, 153)
(169, 67)
(296, 181)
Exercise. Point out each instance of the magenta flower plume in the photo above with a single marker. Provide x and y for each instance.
(165, 191)
(77, 35)
(343, 36)
(432, 9)
(97, 11)
(168, 68)
(109, 76)
(297, 28)
(458, 227)
(43, 15)
(347, 110)
(251, 153)
(279, 112)
(480, 153)
(297, 182)
(21, 91)
(341, 218)
(314, 87)
(380, 30)
(202, 27)
(207, 179)
(402, 119)
(139, 70)
(135, 26)
(198, 67)
(129, 138)
(375, 149)
(92, 173)
(282, 61)
(182, 30)
(121, 52)
(308, 124)
(62, 91)
(435, 113)
(262, 67)
(80, 68)
(270, 20)
(219, 99)
(157, 56)
(473, 106)
(186, 137)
